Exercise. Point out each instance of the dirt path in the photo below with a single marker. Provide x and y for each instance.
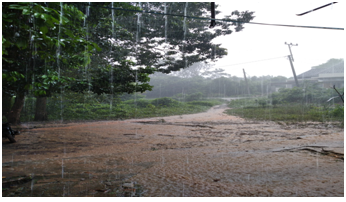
(205, 154)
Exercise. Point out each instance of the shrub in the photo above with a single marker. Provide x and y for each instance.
(338, 111)
(262, 102)
(194, 96)
(275, 102)
(164, 102)
(142, 103)
(201, 103)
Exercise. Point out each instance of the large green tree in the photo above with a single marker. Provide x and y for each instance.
(41, 41)
(171, 42)
(51, 47)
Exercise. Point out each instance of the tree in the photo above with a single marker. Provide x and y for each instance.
(92, 47)
(196, 69)
(38, 43)
(110, 70)
(171, 43)
(150, 40)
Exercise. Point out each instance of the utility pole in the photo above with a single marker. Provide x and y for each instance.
(290, 57)
(289, 46)
(247, 85)
(294, 73)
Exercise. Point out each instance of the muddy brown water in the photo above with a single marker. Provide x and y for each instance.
(205, 154)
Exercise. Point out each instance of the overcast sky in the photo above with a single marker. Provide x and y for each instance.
(261, 42)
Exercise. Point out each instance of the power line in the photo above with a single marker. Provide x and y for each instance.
(223, 20)
(251, 62)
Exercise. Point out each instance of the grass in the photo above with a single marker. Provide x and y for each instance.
(292, 112)
(141, 108)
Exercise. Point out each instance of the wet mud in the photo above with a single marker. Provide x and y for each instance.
(205, 154)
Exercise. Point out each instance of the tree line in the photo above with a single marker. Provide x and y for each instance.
(203, 79)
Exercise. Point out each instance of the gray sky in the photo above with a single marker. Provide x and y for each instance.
(261, 42)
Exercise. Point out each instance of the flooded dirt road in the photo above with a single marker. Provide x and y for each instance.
(205, 154)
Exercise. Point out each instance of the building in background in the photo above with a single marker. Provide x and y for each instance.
(325, 76)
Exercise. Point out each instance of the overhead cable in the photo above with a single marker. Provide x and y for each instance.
(223, 20)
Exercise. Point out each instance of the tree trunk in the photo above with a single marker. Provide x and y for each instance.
(6, 104)
(41, 112)
(14, 114)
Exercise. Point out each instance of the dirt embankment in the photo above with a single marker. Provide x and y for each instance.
(205, 154)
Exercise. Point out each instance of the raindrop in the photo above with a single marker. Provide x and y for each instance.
(62, 168)
(317, 165)
(185, 30)
(184, 25)
(111, 72)
(58, 51)
(139, 15)
(165, 10)
(32, 183)
(12, 159)
(183, 190)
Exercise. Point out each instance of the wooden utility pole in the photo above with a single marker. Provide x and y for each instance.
(289, 47)
(247, 85)
(294, 73)
(290, 57)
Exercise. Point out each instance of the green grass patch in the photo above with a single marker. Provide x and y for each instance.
(70, 110)
(293, 112)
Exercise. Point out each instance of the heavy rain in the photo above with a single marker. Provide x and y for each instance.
(171, 99)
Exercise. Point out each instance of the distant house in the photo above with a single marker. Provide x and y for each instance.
(326, 77)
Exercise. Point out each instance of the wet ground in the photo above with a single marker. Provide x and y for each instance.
(205, 154)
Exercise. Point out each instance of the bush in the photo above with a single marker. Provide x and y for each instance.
(164, 102)
(262, 102)
(194, 96)
(205, 103)
(143, 103)
(275, 102)
(338, 111)
(126, 96)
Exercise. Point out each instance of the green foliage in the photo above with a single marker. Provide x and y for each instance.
(275, 102)
(194, 96)
(288, 112)
(143, 103)
(263, 102)
(132, 96)
(208, 103)
(40, 41)
(292, 95)
(297, 104)
(79, 107)
(338, 111)
(140, 103)
(164, 102)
